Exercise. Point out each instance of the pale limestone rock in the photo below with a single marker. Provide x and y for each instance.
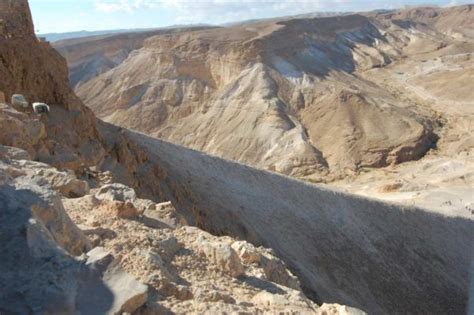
(116, 192)
(34, 271)
(19, 130)
(120, 209)
(291, 301)
(168, 247)
(144, 204)
(206, 295)
(247, 252)
(337, 309)
(223, 256)
(65, 182)
(153, 259)
(162, 214)
(275, 270)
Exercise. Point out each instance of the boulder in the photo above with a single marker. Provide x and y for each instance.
(19, 130)
(35, 273)
(46, 207)
(153, 259)
(65, 183)
(275, 270)
(223, 256)
(116, 192)
(125, 293)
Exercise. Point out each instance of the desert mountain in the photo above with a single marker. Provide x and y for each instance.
(56, 37)
(307, 97)
(91, 56)
(99, 219)
(286, 96)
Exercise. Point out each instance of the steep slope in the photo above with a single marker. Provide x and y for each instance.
(264, 94)
(91, 56)
(379, 257)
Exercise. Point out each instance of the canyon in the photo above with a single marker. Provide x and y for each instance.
(305, 97)
(192, 191)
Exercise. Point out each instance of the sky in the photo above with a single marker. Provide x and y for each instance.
(75, 15)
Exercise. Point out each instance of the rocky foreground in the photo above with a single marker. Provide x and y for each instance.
(107, 251)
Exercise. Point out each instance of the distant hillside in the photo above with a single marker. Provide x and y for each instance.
(54, 37)
(91, 56)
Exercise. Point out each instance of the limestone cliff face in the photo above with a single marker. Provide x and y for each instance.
(284, 96)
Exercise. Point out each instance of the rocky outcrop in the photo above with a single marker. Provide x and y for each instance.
(45, 208)
(39, 272)
(116, 192)
(191, 271)
(129, 254)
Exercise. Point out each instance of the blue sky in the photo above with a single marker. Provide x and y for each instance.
(74, 15)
